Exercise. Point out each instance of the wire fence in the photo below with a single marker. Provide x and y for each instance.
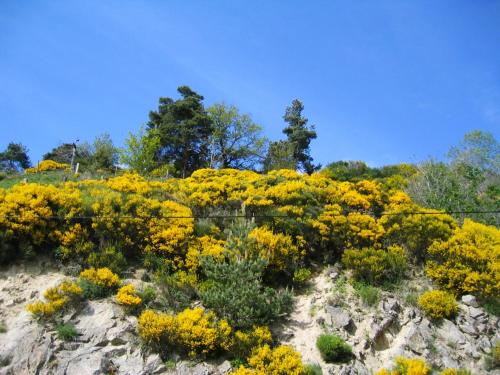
(250, 216)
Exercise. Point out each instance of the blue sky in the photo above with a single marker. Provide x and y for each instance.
(383, 81)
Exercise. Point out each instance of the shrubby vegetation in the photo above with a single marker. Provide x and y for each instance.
(333, 348)
(242, 270)
(56, 299)
(438, 304)
(468, 262)
(417, 366)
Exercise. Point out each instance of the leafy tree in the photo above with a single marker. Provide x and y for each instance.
(142, 150)
(63, 153)
(300, 136)
(468, 183)
(280, 155)
(14, 158)
(478, 149)
(184, 128)
(104, 155)
(236, 140)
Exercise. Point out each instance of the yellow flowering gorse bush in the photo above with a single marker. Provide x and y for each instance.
(282, 360)
(194, 330)
(469, 261)
(438, 304)
(48, 165)
(127, 296)
(56, 299)
(102, 277)
(407, 366)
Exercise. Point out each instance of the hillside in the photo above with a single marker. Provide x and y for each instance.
(238, 272)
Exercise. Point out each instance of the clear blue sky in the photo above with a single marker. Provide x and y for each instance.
(383, 81)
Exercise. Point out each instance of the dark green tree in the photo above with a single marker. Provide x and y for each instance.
(62, 154)
(103, 153)
(280, 155)
(184, 128)
(299, 134)
(14, 158)
(236, 140)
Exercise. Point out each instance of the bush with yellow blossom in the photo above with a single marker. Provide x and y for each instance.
(407, 366)
(438, 304)
(376, 266)
(468, 262)
(48, 165)
(281, 360)
(98, 283)
(127, 297)
(56, 299)
(194, 331)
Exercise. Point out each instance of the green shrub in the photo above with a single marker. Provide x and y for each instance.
(175, 293)
(492, 306)
(3, 327)
(333, 348)
(108, 257)
(411, 299)
(376, 266)
(301, 275)
(312, 369)
(98, 283)
(147, 295)
(234, 290)
(66, 332)
(438, 304)
(368, 294)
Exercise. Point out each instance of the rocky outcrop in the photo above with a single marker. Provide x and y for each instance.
(107, 340)
(390, 329)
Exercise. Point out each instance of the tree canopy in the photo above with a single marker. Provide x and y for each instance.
(184, 128)
(14, 158)
(236, 141)
(300, 135)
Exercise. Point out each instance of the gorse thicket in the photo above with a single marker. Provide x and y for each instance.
(236, 241)
(297, 217)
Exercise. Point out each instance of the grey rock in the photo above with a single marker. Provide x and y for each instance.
(451, 333)
(416, 339)
(470, 300)
(185, 368)
(468, 328)
(475, 313)
(225, 368)
(381, 328)
(391, 305)
(484, 344)
(339, 318)
(354, 368)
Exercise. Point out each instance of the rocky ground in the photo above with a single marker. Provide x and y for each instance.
(107, 342)
(389, 329)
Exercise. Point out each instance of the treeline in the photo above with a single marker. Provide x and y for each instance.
(182, 136)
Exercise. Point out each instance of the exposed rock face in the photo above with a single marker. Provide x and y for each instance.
(108, 342)
(391, 329)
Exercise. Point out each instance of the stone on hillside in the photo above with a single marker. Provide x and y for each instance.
(451, 333)
(476, 313)
(354, 368)
(470, 300)
(468, 328)
(415, 339)
(339, 318)
(225, 368)
(390, 305)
